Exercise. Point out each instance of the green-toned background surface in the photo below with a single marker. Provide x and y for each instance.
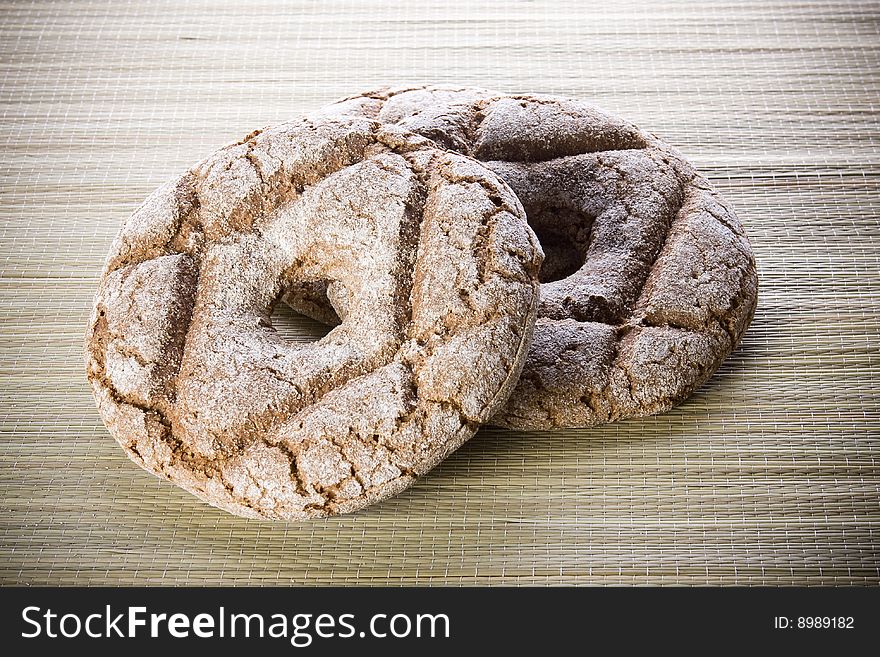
(768, 475)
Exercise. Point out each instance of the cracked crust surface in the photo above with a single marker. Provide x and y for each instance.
(427, 259)
(649, 281)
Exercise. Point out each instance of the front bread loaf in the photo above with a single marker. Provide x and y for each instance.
(428, 263)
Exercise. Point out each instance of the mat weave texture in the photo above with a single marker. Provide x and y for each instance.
(768, 475)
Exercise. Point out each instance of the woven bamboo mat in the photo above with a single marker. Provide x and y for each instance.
(768, 475)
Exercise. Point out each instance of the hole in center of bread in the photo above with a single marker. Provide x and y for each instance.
(564, 235)
(293, 327)
(562, 255)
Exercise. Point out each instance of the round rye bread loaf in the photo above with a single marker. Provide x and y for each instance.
(649, 281)
(432, 272)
